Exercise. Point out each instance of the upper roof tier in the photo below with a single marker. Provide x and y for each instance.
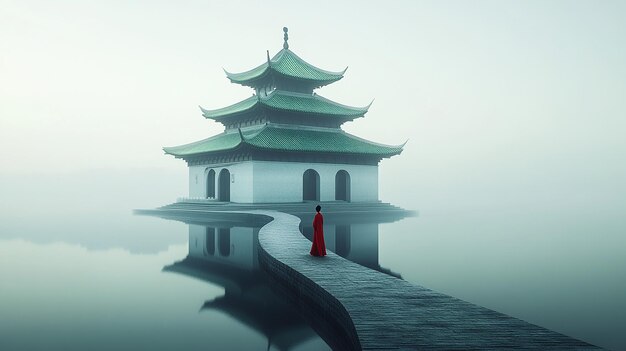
(283, 138)
(288, 102)
(285, 66)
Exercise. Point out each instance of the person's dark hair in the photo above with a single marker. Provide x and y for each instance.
(318, 208)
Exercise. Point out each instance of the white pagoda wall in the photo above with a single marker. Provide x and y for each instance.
(240, 184)
(282, 181)
(268, 181)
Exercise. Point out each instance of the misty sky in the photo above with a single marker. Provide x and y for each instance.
(515, 101)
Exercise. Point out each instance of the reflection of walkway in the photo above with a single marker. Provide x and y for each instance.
(378, 311)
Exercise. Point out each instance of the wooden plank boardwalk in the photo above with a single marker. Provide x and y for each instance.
(388, 313)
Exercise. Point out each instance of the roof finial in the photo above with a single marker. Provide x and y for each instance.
(286, 36)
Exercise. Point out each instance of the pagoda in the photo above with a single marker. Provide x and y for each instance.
(285, 142)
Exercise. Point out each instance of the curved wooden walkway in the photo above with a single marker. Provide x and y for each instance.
(380, 312)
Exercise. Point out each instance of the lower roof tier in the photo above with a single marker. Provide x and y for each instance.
(272, 137)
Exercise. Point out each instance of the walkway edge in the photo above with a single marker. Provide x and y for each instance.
(338, 329)
(355, 308)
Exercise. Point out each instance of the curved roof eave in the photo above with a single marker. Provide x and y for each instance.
(195, 148)
(291, 140)
(238, 107)
(251, 74)
(290, 102)
(306, 71)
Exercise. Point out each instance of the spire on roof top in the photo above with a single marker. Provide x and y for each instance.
(286, 36)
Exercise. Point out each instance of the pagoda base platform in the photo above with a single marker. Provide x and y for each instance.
(335, 212)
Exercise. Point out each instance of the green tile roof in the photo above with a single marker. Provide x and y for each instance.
(224, 141)
(291, 102)
(282, 138)
(288, 64)
(242, 106)
(312, 140)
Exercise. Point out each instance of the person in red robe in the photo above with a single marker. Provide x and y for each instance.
(319, 247)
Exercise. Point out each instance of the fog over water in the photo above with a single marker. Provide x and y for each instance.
(514, 114)
(504, 105)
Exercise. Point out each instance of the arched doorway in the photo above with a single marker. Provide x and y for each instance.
(310, 185)
(224, 185)
(210, 185)
(342, 186)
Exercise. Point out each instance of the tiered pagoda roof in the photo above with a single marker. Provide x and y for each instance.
(274, 137)
(285, 118)
(285, 64)
(289, 102)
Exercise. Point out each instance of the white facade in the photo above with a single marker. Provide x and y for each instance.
(241, 174)
(275, 182)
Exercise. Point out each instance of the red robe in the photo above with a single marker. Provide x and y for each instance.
(319, 247)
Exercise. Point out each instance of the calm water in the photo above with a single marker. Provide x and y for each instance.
(78, 289)
(117, 281)
(558, 269)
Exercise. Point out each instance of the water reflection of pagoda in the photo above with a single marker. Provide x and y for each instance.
(285, 142)
(249, 299)
(232, 244)
(223, 251)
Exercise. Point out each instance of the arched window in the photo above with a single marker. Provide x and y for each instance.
(209, 243)
(342, 186)
(210, 185)
(224, 185)
(310, 185)
(223, 241)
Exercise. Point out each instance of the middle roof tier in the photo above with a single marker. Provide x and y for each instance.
(285, 107)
